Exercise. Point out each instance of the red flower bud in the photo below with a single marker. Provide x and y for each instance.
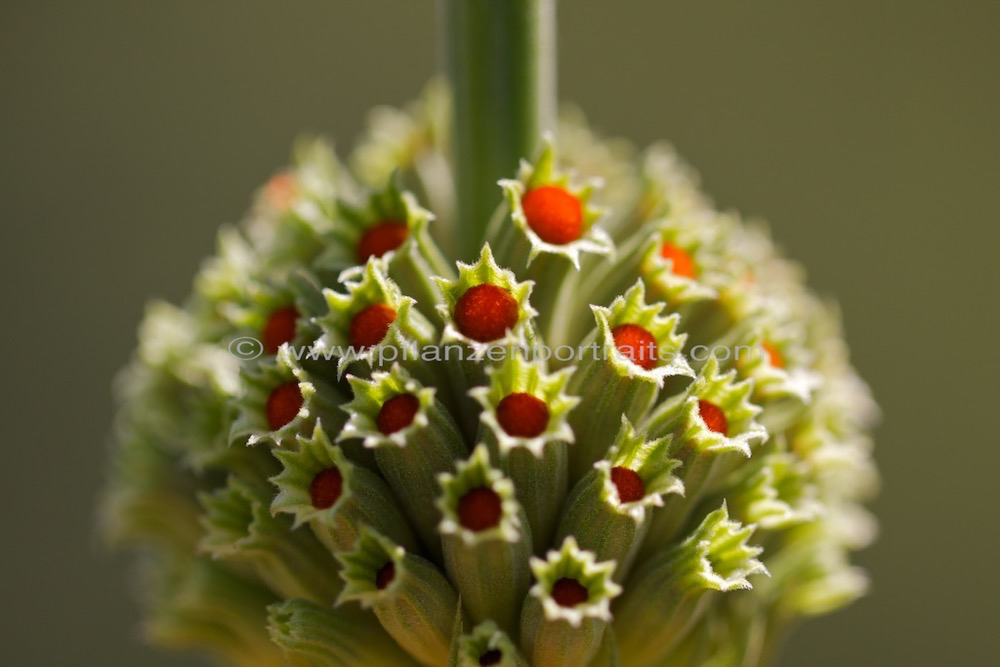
(773, 355)
(280, 328)
(683, 265)
(485, 312)
(523, 415)
(397, 413)
(554, 214)
(636, 344)
(385, 575)
(628, 483)
(283, 405)
(369, 327)
(479, 509)
(714, 417)
(380, 239)
(326, 488)
(569, 592)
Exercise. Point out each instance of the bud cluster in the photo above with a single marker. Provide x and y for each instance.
(634, 502)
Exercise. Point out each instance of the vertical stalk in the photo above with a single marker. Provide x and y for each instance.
(500, 60)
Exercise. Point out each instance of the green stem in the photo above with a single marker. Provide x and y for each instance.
(501, 63)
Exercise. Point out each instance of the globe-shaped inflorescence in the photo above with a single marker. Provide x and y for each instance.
(623, 433)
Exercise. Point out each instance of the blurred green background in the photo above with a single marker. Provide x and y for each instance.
(866, 133)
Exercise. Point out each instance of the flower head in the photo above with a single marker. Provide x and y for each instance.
(626, 428)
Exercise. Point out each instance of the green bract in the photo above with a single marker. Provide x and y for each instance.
(541, 497)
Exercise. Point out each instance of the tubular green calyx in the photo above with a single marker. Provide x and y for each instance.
(625, 433)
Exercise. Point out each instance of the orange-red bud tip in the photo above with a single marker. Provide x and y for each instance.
(773, 355)
(280, 328)
(714, 417)
(385, 575)
(326, 488)
(369, 326)
(485, 312)
(522, 415)
(569, 592)
(283, 405)
(683, 265)
(397, 413)
(628, 483)
(636, 344)
(479, 509)
(554, 214)
(381, 238)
